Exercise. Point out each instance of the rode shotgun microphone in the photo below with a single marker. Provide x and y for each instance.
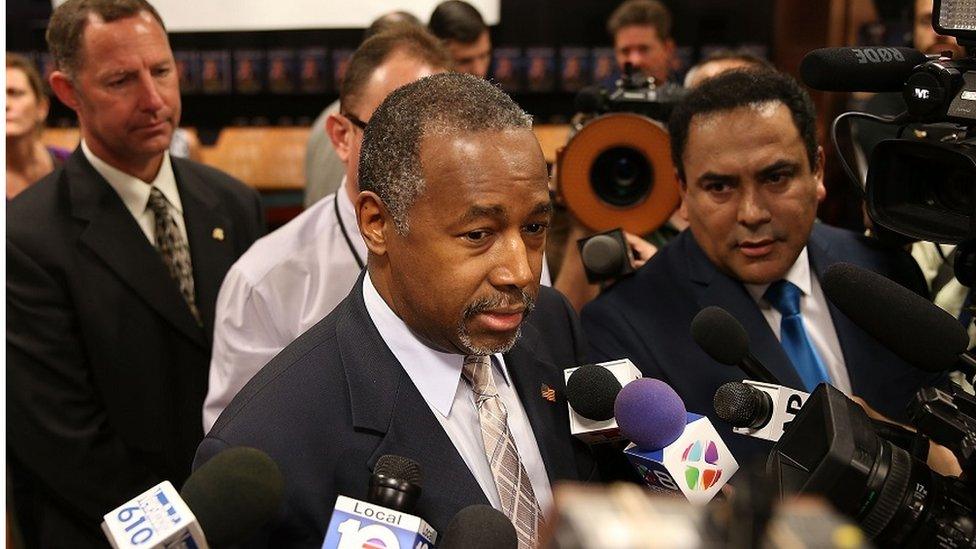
(868, 69)
(910, 326)
(720, 335)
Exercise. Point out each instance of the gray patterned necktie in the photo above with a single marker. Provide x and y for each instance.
(173, 248)
(513, 484)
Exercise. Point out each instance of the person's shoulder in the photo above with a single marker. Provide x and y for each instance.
(649, 281)
(296, 246)
(38, 207)
(307, 371)
(847, 245)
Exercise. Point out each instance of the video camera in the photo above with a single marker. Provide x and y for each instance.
(833, 450)
(922, 184)
(616, 170)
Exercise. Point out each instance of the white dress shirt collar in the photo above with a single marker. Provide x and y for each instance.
(799, 274)
(436, 374)
(133, 191)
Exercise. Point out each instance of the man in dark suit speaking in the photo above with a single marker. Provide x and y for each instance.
(113, 267)
(446, 351)
(751, 177)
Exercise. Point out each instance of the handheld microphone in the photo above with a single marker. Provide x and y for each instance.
(916, 330)
(677, 452)
(868, 69)
(759, 410)
(479, 527)
(720, 335)
(222, 503)
(383, 521)
(591, 390)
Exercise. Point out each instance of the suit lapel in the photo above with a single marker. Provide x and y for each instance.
(531, 377)
(715, 288)
(385, 401)
(209, 234)
(859, 356)
(115, 237)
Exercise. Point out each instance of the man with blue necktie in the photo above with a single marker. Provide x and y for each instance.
(751, 173)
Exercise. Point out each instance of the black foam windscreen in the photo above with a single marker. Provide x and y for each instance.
(591, 390)
(479, 527)
(400, 468)
(720, 335)
(868, 69)
(234, 494)
(913, 328)
(740, 404)
(604, 254)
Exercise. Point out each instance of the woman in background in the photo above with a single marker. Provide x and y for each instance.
(27, 158)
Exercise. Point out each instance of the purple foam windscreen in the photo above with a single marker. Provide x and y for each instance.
(649, 413)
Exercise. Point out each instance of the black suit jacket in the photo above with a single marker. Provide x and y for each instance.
(107, 368)
(648, 318)
(336, 399)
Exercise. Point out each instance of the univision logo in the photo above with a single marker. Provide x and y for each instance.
(701, 469)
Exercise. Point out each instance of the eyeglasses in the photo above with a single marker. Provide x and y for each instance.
(355, 120)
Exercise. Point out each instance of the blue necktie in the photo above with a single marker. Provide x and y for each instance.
(784, 296)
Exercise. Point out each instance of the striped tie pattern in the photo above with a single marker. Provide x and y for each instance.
(511, 480)
(173, 249)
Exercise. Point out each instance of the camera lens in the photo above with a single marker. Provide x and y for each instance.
(621, 176)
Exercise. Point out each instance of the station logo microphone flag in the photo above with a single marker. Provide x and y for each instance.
(356, 524)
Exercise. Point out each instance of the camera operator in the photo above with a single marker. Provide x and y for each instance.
(641, 32)
(751, 177)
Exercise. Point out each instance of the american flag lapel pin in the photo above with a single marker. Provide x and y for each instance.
(548, 393)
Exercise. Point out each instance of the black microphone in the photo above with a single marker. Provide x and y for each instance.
(234, 494)
(396, 483)
(868, 69)
(591, 390)
(913, 328)
(720, 335)
(479, 527)
(742, 405)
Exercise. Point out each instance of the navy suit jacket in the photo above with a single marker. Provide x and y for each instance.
(336, 399)
(648, 318)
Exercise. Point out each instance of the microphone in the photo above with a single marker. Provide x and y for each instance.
(383, 521)
(677, 452)
(222, 503)
(720, 335)
(868, 69)
(591, 390)
(479, 527)
(916, 330)
(759, 410)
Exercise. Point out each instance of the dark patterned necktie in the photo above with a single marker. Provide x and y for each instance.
(173, 248)
(512, 481)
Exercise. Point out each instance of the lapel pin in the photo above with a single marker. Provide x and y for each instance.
(218, 234)
(548, 393)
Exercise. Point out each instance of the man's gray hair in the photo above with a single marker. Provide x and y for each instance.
(442, 104)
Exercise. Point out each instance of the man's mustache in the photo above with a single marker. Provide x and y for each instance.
(500, 301)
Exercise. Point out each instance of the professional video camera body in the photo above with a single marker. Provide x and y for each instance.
(616, 171)
(921, 184)
(832, 449)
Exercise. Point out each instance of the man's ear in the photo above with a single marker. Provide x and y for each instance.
(64, 89)
(340, 132)
(818, 175)
(374, 221)
(682, 190)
